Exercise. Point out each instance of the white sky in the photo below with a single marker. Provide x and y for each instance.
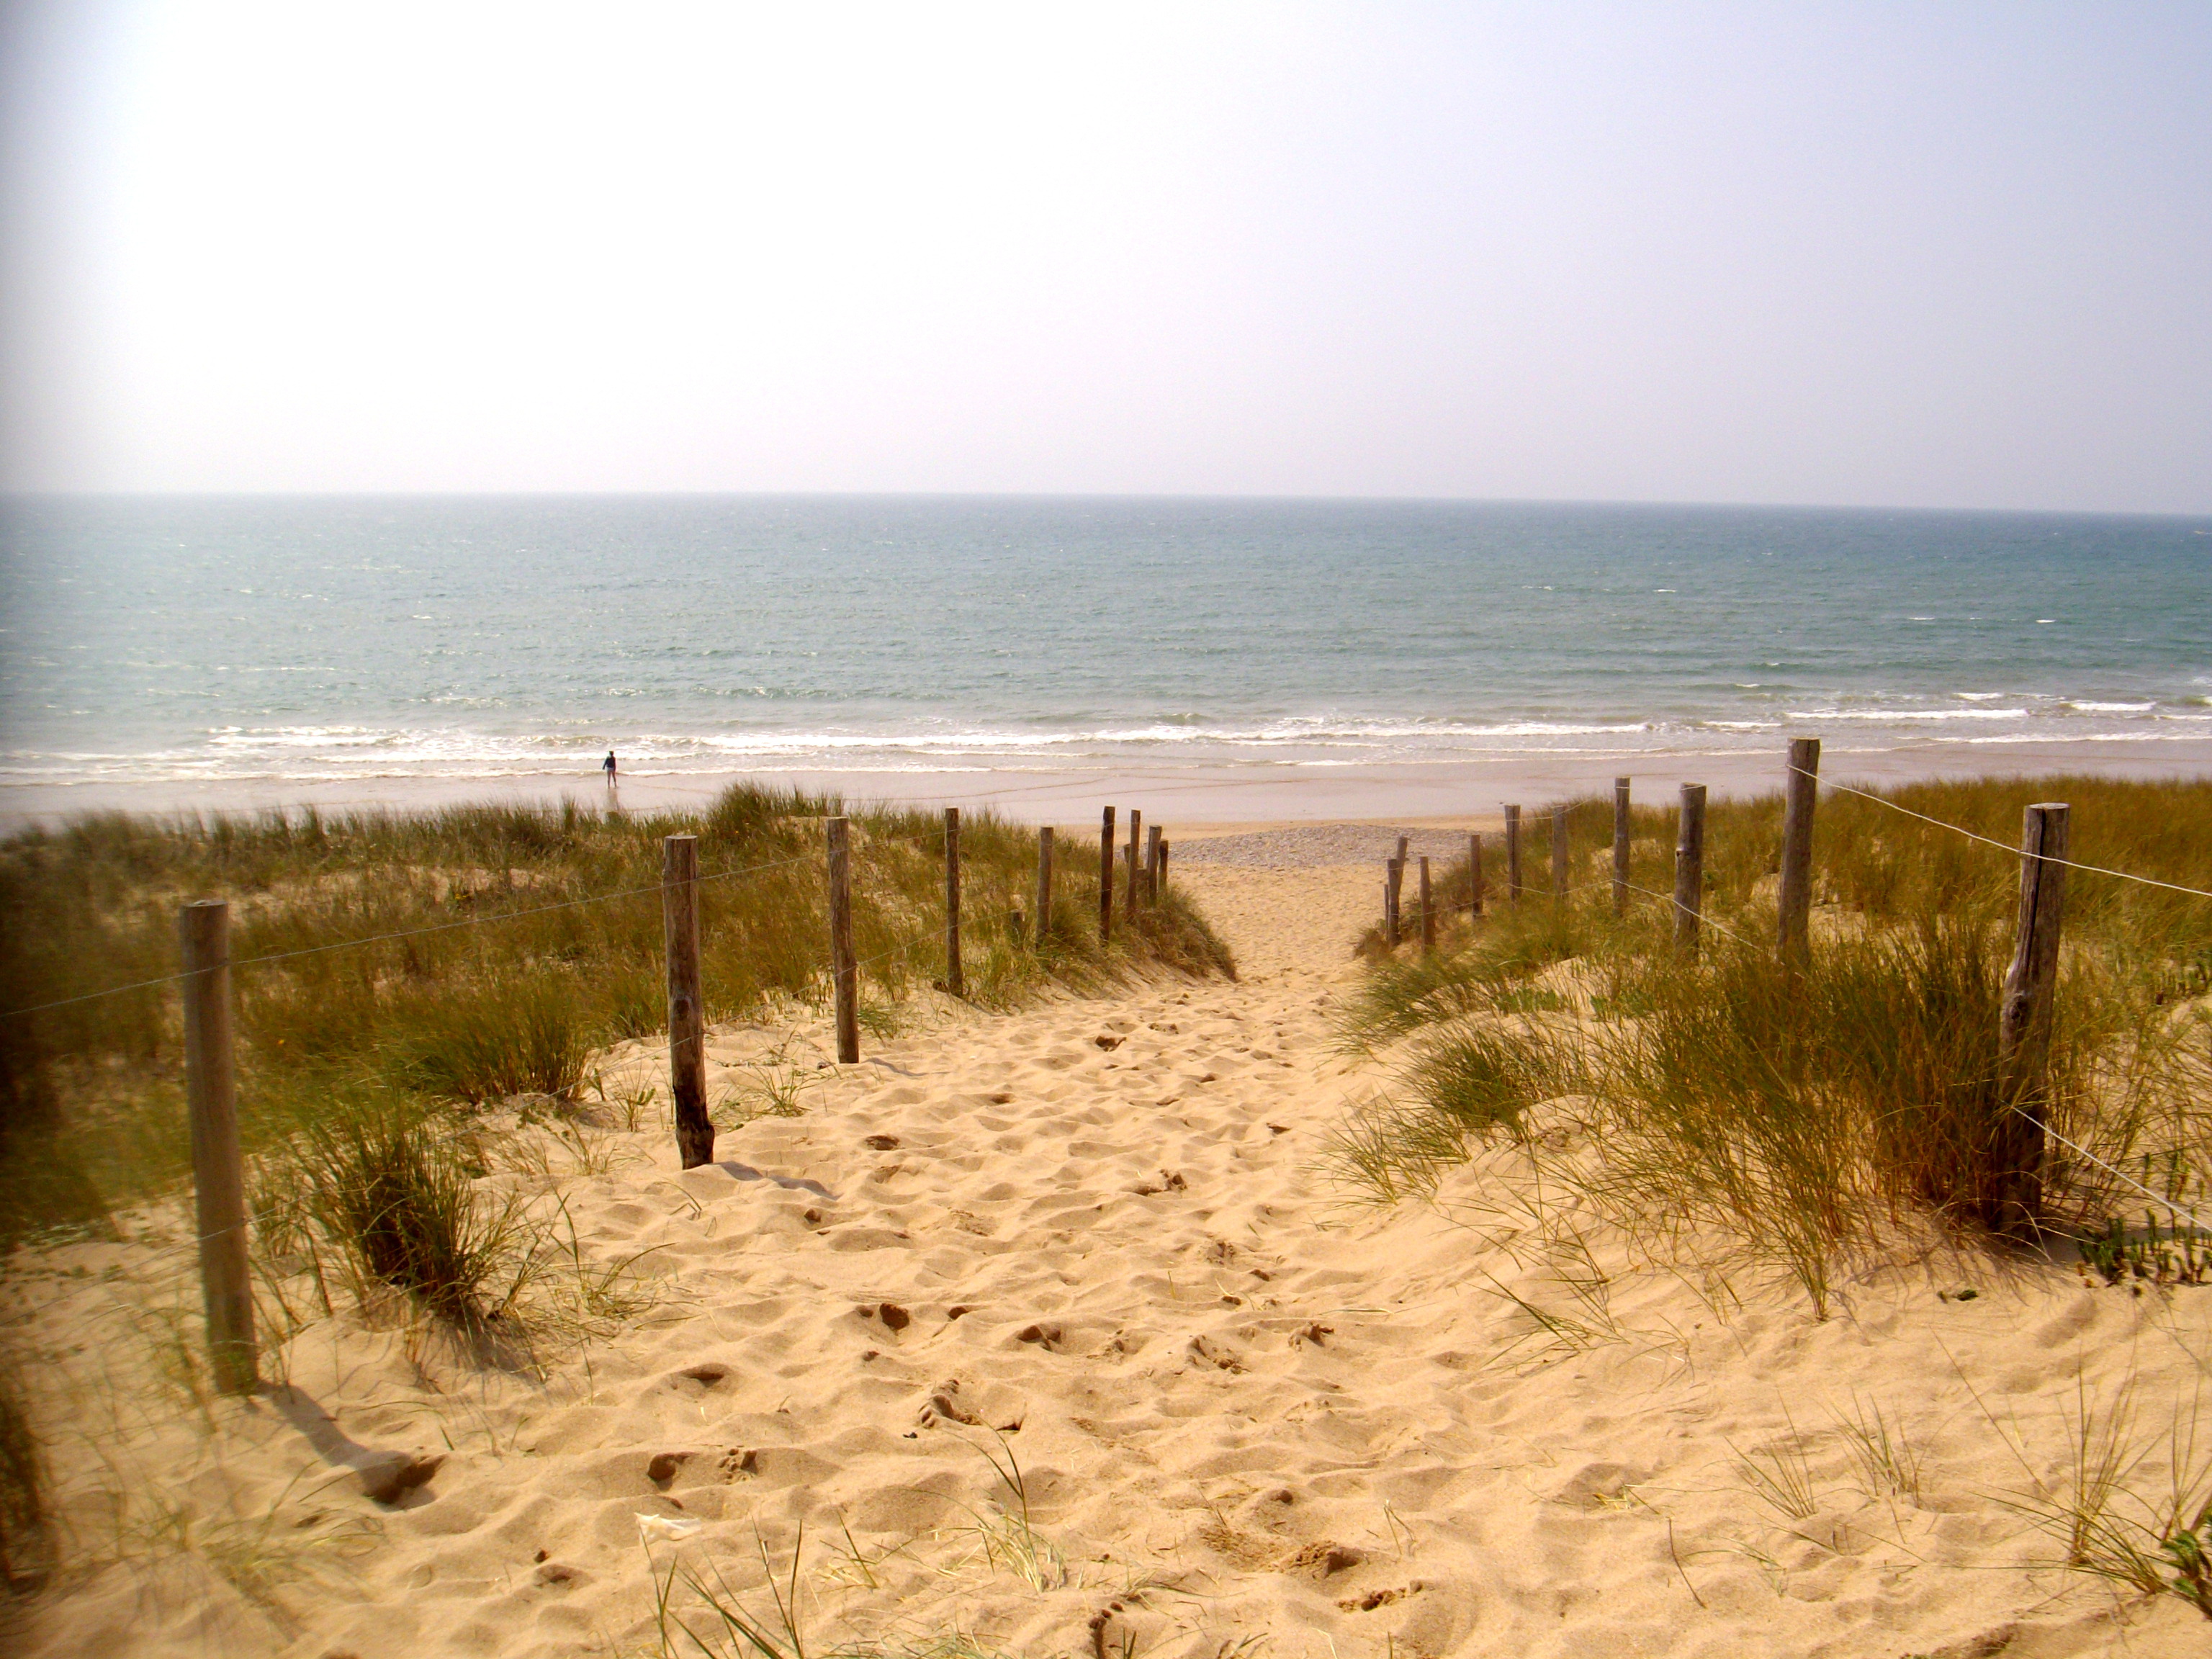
(1877, 254)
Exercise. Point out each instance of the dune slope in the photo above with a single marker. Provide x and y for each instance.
(1043, 1332)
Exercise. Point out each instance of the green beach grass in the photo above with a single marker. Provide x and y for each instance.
(507, 944)
(1808, 1116)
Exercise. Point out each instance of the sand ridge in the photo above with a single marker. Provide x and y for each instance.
(1091, 1238)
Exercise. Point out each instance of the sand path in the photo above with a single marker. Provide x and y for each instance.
(1247, 1418)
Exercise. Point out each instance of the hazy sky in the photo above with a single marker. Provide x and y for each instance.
(1877, 253)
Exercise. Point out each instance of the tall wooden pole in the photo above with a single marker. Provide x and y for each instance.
(1392, 873)
(1690, 867)
(1513, 856)
(1163, 864)
(2015, 1204)
(1474, 876)
(1152, 865)
(844, 973)
(687, 1013)
(218, 1166)
(955, 982)
(1136, 823)
(1428, 910)
(1620, 847)
(1398, 867)
(1559, 825)
(1044, 886)
(1802, 793)
(1106, 878)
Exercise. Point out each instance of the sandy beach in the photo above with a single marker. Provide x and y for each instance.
(1442, 792)
(1047, 1333)
(810, 845)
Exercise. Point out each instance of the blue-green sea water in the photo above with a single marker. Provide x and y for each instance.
(312, 638)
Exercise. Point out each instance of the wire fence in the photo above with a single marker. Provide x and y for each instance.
(932, 837)
(402, 934)
(1518, 820)
(2003, 846)
(844, 968)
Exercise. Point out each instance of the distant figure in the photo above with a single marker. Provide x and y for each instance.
(607, 766)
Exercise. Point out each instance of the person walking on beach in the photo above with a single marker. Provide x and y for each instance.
(607, 766)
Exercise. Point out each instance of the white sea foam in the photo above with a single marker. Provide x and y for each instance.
(1905, 716)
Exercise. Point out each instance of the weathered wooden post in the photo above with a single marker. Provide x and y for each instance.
(1397, 870)
(1044, 885)
(1560, 823)
(1163, 864)
(844, 973)
(1428, 910)
(1152, 865)
(1475, 875)
(1513, 856)
(1136, 820)
(1392, 872)
(218, 1166)
(1106, 878)
(2015, 1202)
(1620, 847)
(954, 983)
(1690, 867)
(1802, 793)
(687, 1012)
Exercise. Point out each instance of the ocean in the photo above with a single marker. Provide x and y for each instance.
(296, 640)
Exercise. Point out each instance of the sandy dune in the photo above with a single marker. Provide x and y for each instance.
(1247, 1416)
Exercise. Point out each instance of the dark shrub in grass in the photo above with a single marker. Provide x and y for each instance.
(26, 1541)
(396, 1192)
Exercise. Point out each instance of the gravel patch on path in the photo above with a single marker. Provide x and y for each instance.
(1307, 846)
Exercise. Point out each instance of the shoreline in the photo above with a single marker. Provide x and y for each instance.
(1222, 798)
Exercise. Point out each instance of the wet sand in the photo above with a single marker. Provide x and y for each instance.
(1446, 792)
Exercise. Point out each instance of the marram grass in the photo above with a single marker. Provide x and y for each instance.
(91, 1099)
(1806, 1115)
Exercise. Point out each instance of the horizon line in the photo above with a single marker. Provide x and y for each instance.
(10, 496)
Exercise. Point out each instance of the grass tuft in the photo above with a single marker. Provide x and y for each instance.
(398, 1196)
(1807, 1115)
(26, 1539)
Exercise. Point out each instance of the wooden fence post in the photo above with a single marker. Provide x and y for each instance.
(1561, 821)
(1399, 866)
(1163, 864)
(844, 973)
(1803, 791)
(1392, 872)
(1513, 856)
(1620, 847)
(1474, 876)
(687, 1013)
(2014, 1203)
(1428, 910)
(1106, 878)
(1690, 867)
(1044, 885)
(218, 1166)
(954, 983)
(1152, 865)
(1136, 820)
